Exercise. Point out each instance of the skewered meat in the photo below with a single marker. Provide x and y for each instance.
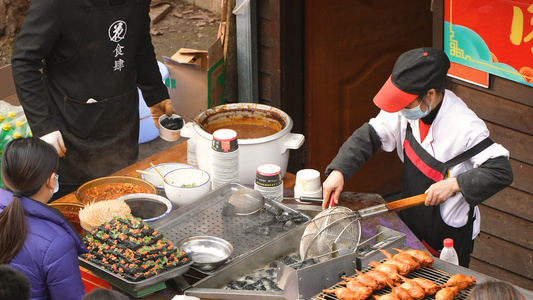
(358, 288)
(422, 257)
(390, 270)
(447, 293)
(367, 280)
(460, 281)
(414, 289)
(345, 294)
(403, 268)
(390, 296)
(381, 278)
(430, 288)
(410, 263)
(401, 293)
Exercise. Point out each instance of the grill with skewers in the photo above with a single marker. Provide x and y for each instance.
(434, 275)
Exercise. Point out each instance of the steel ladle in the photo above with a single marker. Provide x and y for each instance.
(247, 201)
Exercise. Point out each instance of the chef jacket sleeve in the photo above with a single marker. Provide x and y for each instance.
(479, 184)
(41, 29)
(148, 76)
(356, 150)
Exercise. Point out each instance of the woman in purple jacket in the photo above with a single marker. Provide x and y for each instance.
(34, 238)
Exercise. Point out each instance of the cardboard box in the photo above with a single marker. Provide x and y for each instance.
(7, 86)
(196, 79)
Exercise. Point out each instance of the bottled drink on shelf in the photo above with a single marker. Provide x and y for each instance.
(448, 253)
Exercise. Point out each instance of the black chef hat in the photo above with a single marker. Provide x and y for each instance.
(415, 72)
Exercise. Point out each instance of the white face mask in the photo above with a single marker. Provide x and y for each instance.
(416, 113)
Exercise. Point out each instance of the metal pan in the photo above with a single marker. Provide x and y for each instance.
(134, 285)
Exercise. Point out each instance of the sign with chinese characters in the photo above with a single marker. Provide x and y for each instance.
(489, 37)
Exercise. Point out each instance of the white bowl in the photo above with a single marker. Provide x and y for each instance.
(164, 168)
(186, 185)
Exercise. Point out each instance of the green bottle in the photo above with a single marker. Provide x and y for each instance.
(6, 128)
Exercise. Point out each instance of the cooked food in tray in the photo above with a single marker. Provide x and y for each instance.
(391, 274)
(131, 249)
(114, 191)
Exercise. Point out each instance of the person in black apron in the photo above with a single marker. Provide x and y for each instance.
(96, 53)
(415, 95)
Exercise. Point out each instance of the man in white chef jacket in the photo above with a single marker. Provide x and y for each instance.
(444, 146)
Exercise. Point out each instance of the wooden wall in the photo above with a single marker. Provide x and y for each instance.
(504, 249)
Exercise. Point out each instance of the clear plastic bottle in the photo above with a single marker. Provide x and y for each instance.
(11, 115)
(448, 253)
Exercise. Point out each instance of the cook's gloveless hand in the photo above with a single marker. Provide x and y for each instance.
(440, 191)
(55, 139)
(332, 186)
(157, 110)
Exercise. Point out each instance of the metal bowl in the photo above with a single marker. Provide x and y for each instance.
(207, 252)
(83, 192)
(148, 207)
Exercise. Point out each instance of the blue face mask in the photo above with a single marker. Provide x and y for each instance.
(416, 113)
(56, 186)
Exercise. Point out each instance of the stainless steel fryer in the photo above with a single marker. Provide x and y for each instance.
(305, 282)
(206, 216)
(300, 283)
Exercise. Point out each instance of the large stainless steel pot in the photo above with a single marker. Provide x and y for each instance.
(271, 149)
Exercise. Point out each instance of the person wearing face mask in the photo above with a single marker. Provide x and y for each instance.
(445, 149)
(37, 239)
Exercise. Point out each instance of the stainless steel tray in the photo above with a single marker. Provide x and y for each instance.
(205, 217)
(134, 285)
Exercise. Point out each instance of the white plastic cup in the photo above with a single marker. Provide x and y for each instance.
(167, 134)
(308, 181)
(315, 194)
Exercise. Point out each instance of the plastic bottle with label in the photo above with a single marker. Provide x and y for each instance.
(448, 253)
(4, 131)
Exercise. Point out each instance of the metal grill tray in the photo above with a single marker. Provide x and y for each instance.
(134, 285)
(434, 274)
(205, 217)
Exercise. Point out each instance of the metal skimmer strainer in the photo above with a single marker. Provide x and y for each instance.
(335, 230)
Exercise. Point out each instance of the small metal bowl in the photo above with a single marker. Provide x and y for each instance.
(207, 252)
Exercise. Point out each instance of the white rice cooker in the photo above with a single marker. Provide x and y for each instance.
(253, 152)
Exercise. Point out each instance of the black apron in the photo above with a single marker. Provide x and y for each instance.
(420, 170)
(102, 137)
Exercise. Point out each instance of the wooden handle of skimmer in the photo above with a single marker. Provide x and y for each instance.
(406, 202)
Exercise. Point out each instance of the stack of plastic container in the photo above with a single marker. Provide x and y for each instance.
(13, 125)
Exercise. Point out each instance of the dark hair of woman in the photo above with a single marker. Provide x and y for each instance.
(495, 290)
(103, 294)
(14, 285)
(27, 164)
